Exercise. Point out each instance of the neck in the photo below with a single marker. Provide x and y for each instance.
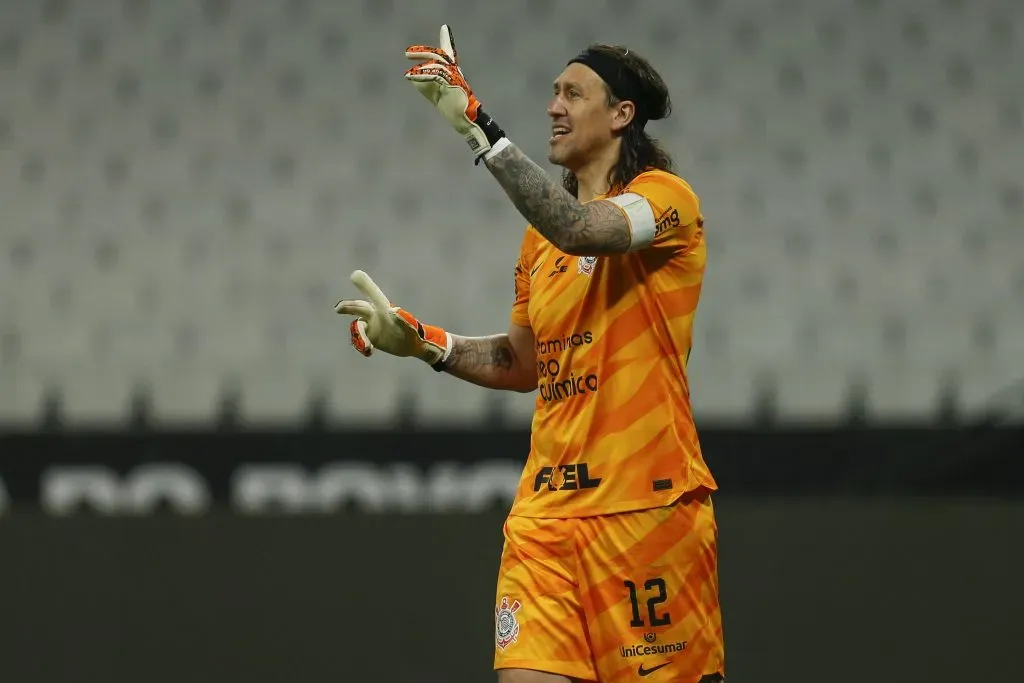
(593, 177)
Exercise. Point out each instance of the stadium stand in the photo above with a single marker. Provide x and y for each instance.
(187, 185)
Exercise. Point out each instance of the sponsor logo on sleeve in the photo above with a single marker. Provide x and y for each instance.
(669, 218)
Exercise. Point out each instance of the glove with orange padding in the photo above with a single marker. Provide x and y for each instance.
(440, 79)
(379, 325)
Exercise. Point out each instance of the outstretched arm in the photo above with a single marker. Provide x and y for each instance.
(590, 229)
(500, 361)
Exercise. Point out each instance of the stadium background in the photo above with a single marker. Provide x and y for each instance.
(200, 481)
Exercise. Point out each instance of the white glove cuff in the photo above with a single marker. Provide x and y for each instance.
(447, 347)
(496, 148)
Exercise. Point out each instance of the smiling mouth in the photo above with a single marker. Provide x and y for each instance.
(558, 133)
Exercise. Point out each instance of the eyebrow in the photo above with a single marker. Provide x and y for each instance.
(567, 84)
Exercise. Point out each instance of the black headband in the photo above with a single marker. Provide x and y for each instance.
(620, 81)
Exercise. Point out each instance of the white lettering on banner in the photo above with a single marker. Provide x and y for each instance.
(453, 488)
(280, 488)
(446, 486)
(396, 487)
(284, 486)
(65, 489)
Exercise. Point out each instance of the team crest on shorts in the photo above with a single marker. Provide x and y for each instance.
(506, 627)
(585, 265)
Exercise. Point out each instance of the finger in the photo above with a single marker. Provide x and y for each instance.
(428, 53)
(371, 290)
(431, 71)
(360, 309)
(432, 66)
(418, 78)
(448, 43)
(360, 341)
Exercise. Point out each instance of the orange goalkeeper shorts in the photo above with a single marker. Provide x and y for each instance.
(613, 598)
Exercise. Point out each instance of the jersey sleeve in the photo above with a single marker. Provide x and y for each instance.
(521, 304)
(663, 212)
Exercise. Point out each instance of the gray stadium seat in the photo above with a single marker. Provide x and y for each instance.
(187, 185)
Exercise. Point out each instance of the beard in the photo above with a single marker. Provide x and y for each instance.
(567, 156)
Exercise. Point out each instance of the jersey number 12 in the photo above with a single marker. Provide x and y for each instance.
(657, 586)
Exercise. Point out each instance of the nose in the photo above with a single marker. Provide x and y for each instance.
(555, 107)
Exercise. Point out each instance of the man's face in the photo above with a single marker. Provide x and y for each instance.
(581, 120)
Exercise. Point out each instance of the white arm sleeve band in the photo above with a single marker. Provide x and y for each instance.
(640, 216)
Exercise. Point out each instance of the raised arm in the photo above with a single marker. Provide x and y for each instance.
(590, 229)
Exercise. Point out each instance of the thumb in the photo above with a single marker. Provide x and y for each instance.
(448, 43)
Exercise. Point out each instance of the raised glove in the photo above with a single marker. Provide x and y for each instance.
(440, 79)
(379, 325)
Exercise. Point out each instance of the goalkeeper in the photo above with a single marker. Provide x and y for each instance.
(609, 565)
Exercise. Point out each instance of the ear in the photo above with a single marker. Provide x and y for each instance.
(622, 114)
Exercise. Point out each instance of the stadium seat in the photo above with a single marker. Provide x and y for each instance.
(187, 186)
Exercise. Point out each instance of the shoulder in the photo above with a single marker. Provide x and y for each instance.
(670, 196)
(663, 182)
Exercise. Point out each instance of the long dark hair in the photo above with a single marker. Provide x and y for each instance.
(639, 151)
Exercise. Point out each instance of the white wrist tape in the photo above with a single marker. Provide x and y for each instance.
(496, 148)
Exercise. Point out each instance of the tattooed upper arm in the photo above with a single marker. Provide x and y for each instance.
(590, 229)
(604, 230)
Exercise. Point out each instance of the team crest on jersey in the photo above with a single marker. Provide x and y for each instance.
(585, 266)
(506, 626)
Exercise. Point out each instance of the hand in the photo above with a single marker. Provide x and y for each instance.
(379, 325)
(439, 78)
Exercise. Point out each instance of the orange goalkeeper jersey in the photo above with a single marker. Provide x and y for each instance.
(612, 428)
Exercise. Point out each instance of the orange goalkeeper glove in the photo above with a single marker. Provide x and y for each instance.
(440, 79)
(379, 325)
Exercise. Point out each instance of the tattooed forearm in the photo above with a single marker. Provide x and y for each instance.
(579, 229)
(489, 362)
(471, 353)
